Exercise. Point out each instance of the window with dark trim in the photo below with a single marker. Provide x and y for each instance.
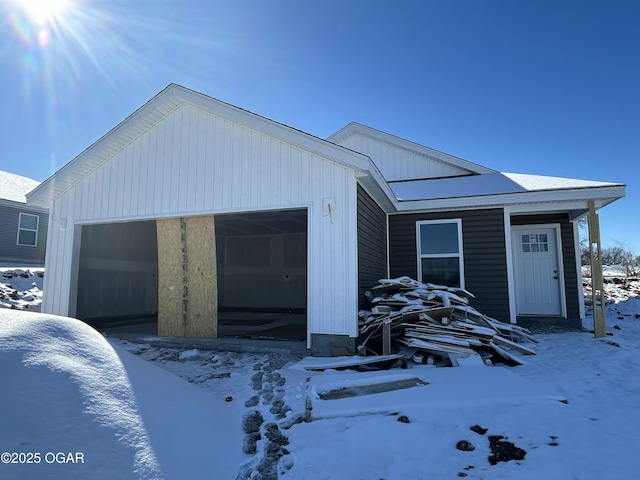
(440, 259)
(28, 229)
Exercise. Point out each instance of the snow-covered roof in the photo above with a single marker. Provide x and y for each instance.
(496, 183)
(15, 187)
(522, 192)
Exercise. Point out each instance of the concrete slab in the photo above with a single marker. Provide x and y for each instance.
(148, 333)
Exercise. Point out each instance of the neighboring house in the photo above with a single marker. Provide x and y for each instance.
(23, 236)
(192, 206)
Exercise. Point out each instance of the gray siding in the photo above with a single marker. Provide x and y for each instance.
(568, 258)
(372, 245)
(484, 250)
(10, 251)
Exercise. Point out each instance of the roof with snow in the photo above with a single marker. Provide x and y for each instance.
(421, 178)
(495, 183)
(15, 187)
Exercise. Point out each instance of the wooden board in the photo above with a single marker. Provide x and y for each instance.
(355, 361)
(203, 277)
(506, 355)
(438, 313)
(447, 339)
(512, 345)
(357, 391)
(187, 277)
(170, 287)
(438, 348)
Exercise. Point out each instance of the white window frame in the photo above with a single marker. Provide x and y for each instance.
(21, 228)
(459, 255)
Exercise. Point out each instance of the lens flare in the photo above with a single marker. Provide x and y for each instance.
(71, 59)
(36, 22)
(42, 12)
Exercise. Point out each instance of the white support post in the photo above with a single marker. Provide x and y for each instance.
(597, 282)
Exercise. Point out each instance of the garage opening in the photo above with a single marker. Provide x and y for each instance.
(262, 274)
(118, 273)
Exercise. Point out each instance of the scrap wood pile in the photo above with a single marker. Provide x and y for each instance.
(435, 324)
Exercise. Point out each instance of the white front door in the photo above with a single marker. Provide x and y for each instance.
(538, 272)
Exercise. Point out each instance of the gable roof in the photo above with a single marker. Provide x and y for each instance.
(164, 103)
(399, 174)
(14, 188)
(401, 159)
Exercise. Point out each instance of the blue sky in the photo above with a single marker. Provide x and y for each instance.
(541, 87)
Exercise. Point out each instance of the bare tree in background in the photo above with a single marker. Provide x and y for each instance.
(617, 255)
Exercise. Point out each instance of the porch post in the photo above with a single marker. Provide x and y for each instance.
(597, 283)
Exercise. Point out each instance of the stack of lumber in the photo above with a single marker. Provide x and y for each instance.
(435, 324)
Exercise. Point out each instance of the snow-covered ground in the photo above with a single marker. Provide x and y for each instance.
(116, 409)
(21, 288)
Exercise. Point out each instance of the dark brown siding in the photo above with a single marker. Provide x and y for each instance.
(485, 263)
(568, 257)
(372, 245)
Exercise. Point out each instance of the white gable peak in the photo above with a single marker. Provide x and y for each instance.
(399, 159)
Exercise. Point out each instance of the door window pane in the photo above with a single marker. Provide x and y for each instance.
(535, 242)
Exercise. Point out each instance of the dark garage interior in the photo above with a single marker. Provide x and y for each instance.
(118, 272)
(261, 274)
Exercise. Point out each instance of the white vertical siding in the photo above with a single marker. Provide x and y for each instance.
(194, 162)
(398, 163)
(58, 262)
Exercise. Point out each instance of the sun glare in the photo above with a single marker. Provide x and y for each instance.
(43, 11)
(36, 20)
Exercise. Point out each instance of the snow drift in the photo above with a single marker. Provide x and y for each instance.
(67, 390)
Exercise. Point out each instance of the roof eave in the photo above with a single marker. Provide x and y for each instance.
(22, 206)
(601, 195)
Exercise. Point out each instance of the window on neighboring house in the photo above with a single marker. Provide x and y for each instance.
(28, 229)
(440, 252)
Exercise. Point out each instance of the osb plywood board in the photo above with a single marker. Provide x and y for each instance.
(203, 282)
(170, 289)
(187, 278)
